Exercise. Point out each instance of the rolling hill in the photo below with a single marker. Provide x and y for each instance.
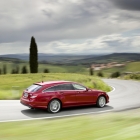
(75, 59)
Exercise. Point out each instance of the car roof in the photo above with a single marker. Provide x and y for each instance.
(52, 82)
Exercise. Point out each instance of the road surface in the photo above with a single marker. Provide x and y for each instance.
(125, 96)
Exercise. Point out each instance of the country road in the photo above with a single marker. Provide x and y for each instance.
(125, 96)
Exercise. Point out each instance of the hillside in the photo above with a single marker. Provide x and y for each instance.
(117, 57)
(75, 59)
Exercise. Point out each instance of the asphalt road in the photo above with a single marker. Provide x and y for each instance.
(125, 96)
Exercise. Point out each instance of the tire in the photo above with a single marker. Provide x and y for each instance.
(101, 101)
(54, 106)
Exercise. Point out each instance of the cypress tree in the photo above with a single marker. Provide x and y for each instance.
(33, 58)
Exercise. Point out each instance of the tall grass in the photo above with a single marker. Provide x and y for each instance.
(116, 126)
(12, 85)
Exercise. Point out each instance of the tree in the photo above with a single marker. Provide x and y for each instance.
(115, 74)
(100, 74)
(13, 71)
(4, 69)
(46, 70)
(24, 70)
(91, 71)
(17, 70)
(33, 58)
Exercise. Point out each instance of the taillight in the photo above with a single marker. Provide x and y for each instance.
(25, 95)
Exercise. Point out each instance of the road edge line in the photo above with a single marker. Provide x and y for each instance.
(54, 117)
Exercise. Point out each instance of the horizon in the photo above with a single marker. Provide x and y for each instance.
(82, 54)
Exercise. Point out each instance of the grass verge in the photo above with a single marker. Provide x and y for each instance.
(116, 126)
(12, 85)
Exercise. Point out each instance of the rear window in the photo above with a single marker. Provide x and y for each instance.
(33, 88)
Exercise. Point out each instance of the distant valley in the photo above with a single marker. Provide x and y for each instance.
(74, 59)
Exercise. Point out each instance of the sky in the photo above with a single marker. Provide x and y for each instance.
(70, 26)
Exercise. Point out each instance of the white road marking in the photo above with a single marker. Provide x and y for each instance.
(112, 90)
(63, 116)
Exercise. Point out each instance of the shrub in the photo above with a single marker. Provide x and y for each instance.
(24, 70)
(115, 74)
(100, 74)
(91, 71)
(46, 70)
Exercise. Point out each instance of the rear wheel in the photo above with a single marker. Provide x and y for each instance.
(54, 106)
(101, 101)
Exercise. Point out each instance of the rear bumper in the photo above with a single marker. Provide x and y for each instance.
(27, 103)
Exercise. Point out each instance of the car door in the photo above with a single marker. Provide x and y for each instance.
(84, 95)
(67, 94)
(46, 95)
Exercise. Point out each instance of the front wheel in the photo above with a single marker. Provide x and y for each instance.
(101, 101)
(54, 106)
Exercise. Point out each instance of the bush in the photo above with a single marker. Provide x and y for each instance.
(24, 70)
(115, 74)
(46, 70)
(91, 71)
(132, 76)
(100, 74)
(13, 71)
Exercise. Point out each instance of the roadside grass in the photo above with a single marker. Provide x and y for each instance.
(132, 77)
(12, 85)
(116, 126)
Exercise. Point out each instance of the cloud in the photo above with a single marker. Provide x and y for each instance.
(103, 44)
(60, 19)
(57, 24)
(127, 4)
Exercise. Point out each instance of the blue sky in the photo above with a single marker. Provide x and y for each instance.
(70, 26)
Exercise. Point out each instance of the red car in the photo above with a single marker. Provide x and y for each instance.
(55, 95)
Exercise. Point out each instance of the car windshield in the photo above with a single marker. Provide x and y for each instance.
(33, 88)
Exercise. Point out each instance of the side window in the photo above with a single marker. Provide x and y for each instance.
(60, 87)
(65, 87)
(79, 87)
(33, 88)
(49, 89)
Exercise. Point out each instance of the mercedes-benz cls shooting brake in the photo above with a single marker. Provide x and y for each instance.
(54, 95)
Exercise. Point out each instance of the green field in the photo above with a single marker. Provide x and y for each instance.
(52, 68)
(116, 126)
(129, 67)
(12, 85)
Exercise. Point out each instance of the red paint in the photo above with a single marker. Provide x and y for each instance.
(40, 99)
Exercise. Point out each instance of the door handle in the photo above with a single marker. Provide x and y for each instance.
(61, 92)
(78, 92)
